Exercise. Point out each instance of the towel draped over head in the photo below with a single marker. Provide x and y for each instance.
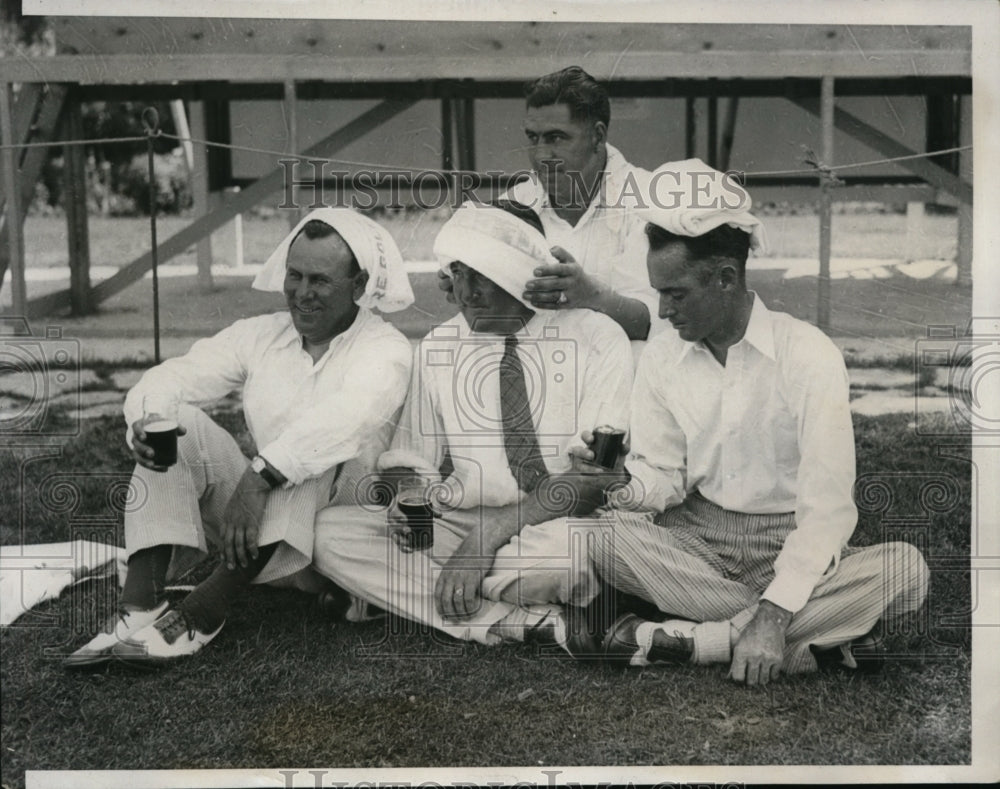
(388, 288)
(689, 198)
(499, 245)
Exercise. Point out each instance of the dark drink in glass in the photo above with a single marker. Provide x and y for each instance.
(420, 518)
(607, 445)
(161, 436)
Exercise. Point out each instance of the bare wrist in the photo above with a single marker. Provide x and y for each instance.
(774, 613)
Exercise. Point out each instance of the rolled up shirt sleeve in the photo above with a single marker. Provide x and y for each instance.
(333, 429)
(825, 513)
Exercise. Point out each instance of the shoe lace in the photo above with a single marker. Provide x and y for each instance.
(174, 624)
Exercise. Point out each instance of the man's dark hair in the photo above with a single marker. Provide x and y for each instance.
(314, 229)
(520, 210)
(586, 98)
(723, 244)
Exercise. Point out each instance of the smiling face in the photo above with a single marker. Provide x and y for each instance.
(567, 154)
(698, 310)
(487, 308)
(320, 288)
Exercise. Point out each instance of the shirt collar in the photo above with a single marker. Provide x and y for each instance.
(759, 333)
(615, 169)
(290, 335)
(535, 327)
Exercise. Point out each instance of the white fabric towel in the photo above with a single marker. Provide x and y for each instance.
(498, 245)
(388, 288)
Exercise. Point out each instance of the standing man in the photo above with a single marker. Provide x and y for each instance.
(321, 385)
(583, 190)
(743, 461)
(499, 394)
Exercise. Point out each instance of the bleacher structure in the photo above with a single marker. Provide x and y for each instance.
(465, 71)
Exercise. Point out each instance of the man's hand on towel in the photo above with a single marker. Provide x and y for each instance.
(562, 285)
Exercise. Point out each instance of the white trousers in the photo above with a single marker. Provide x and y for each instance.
(708, 564)
(184, 505)
(544, 565)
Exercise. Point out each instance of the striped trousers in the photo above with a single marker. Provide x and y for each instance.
(707, 564)
(184, 505)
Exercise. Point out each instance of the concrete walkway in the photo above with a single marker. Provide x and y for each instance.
(99, 391)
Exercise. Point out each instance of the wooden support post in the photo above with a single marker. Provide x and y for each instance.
(32, 123)
(15, 232)
(690, 127)
(468, 133)
(728, 132)
(75, 199)
(246, 199)
(825, 207)
(199, 192)
(448, 142)
(460, 127)
(963, 257)
(713, 131)
(290, 107)
(446, 135)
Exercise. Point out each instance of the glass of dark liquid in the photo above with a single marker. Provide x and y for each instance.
(607, 445)
(414, 501)
(160, 425)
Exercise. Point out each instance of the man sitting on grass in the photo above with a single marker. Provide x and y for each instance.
(498, 395)
(321, 384)
(743, 459)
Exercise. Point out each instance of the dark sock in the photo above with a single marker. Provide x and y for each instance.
(207, 605)
(146, 577)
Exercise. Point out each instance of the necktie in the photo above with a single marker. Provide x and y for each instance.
(519, 439)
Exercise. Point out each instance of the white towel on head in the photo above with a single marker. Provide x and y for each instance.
(497, 244)
(388, 288)
(689, 198)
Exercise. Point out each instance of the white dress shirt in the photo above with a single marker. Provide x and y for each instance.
(609, 240)
(578, 370)
(305, 417)
(769, 432)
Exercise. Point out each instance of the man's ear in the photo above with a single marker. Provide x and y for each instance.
(360, 282)
(599, 133)
(729, 277)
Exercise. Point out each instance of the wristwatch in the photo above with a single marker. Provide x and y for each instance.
(259, 465)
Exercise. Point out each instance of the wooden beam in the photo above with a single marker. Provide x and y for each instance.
(825, 208)
(481, 64)
(245, 200)
(713, 131)
(469, 133)
(963, 256)
(884, 144)
(447, 138)
(690, 127)
(199, 192)
(43, 129)
(290, 108)
(728, 133)
(514, 89)
(13, 221)
(75, 202)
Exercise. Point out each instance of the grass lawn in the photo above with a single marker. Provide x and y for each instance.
(282, 686)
